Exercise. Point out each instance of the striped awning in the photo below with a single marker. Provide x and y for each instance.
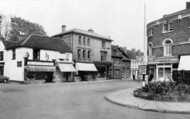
(66, 67)
(86, 67)
(40, 68)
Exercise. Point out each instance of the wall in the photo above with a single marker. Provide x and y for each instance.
(181, 34)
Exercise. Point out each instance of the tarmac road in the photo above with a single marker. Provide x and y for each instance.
(70, 101)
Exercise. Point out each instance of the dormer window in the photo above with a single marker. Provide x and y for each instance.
(167, 27)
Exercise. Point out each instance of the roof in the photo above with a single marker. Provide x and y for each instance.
(39, 42)
(89, 33)
(167, 16)
(119, 52)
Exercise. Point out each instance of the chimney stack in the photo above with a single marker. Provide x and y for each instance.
(63, 28)
(91, 30)
(188, 5)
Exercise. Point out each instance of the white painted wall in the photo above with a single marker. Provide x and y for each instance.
(17, 73)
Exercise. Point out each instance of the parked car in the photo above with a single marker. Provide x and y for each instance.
(4, 79)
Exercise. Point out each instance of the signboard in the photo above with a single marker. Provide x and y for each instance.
(142, 69)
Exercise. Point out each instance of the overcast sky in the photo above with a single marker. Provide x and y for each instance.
(120, 19)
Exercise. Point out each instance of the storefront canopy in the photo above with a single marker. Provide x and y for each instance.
(184, 63)
(66, 67)
(40, 68)
(86, 67)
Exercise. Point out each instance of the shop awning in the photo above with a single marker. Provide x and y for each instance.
(40, 68)
(86, 67)
(184, 63)
(66, 67)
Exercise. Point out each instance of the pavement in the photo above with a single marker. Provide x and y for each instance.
(126, 98)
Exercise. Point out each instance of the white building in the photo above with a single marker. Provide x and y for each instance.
(36, 57)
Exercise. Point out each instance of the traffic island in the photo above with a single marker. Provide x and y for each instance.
(126, 98)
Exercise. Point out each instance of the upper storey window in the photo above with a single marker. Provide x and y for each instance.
(150, 32)
(167, 44)
(168, 27)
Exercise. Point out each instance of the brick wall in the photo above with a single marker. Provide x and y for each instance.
(180, 34)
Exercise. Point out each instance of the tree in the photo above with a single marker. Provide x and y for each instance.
(133, 53)
(21, 29)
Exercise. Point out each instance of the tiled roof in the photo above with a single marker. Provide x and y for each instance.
(118, 52)
(80, 31)
(39, 42)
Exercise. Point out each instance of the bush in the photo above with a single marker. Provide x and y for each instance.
(164, 91)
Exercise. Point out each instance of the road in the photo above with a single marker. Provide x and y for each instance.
(70, 101)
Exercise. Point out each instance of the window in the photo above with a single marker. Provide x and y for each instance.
(14, 54)
(84, 40)
(84, 54)
(150, 49)
(167, 44)
(36, 54)
(88, 42)
(79, 54)
(89, 54)
(1, 55)
(103, 55)
(150, 32)
(103, 44)
(79, 40)
(167, 27)
(19, 64)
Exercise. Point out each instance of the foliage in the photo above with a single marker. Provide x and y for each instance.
(133, 53)
(164, 91)
(21, 28)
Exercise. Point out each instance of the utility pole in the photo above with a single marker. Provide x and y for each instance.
(145, 35)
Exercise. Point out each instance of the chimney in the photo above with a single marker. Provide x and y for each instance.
(187, 5)
(91, 30)
(63, 28)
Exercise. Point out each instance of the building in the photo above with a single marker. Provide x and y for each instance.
(120, 63)
(168, 39)
(91, 52)
(135, 65)
(36, 58)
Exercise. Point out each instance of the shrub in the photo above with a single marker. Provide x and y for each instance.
(164, 91)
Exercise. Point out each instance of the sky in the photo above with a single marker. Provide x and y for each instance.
(122, 20)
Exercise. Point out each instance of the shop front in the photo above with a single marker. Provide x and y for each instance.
(162, 68)
(66, 71)
(41, 71)
(86, 71)
(104, 69)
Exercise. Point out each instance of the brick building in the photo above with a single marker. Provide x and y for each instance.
(121, 63)
(89, 48)
(168, 39)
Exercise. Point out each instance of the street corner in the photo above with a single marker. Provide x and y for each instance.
(125, 98)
